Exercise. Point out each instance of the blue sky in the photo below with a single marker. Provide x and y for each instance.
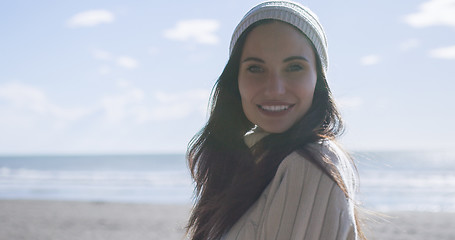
(97, 77)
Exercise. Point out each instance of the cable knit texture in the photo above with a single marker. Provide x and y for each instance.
(293, 13)
(301, 201)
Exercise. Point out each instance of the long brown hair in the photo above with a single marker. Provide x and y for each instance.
(228, 180)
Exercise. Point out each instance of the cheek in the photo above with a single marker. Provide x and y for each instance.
(246, 90)
(310, 95)
(243, 93)
(246, 96)
(306, 94)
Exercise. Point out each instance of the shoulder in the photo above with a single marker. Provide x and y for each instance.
(297, 171)
(342, 162)
(315, 198)
(298, 163)
(297, 167)
(325, 149)
(315, 152)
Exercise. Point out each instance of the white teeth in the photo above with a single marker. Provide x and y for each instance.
(275, 108)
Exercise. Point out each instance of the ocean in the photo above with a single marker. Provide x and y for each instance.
(389, 181)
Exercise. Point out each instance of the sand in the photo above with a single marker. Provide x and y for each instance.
(412, 225)
(49, 220)
(20, 219)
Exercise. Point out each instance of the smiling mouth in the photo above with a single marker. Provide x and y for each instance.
(275, 108)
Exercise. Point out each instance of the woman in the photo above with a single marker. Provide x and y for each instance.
(266, 164)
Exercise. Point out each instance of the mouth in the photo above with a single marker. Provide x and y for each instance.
(275, 108)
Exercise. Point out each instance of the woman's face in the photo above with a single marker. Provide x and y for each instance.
(277, 76)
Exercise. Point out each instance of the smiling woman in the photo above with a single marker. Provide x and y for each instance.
(277, 76)
(266, 165)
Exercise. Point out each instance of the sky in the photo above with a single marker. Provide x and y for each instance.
(134, 77)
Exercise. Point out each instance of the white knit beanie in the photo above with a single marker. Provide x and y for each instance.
(290, 12)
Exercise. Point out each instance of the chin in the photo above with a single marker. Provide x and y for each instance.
(275, 129)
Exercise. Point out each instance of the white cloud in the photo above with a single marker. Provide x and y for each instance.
(178, 105)
(433, 13)
(117, 108)
(31, 122)
(91, 18)
(23, 97)
(122, 61)
(131, 106)
(444, 53)
(198, 30)
(127, 62)
(410, 44)
(370, 60)
(134, 105)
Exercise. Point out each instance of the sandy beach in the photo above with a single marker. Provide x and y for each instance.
(62, 220)
(59, 220)
(411, 225)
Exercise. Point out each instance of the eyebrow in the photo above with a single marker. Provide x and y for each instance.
(255, 59)
(296, 58)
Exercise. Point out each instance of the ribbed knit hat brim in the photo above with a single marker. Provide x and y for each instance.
(290, 12)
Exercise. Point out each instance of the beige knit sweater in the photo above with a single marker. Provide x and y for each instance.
(301, 202)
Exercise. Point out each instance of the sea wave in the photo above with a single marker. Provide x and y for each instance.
(128, 186)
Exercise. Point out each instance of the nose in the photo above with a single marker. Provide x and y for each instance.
(275, 85)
